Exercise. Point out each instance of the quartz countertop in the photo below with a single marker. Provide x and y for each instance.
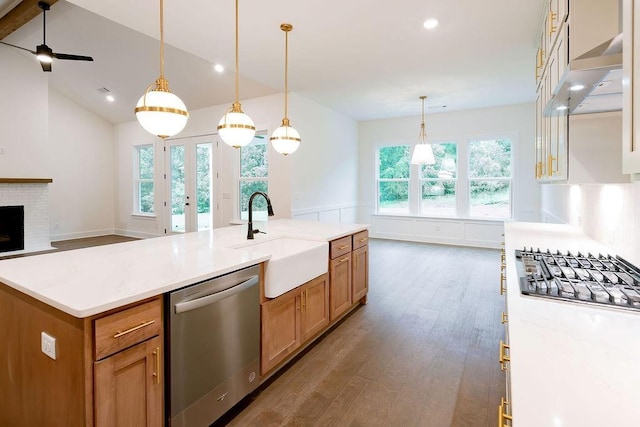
(85, 282)
(572, 365)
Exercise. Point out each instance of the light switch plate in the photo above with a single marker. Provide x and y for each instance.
(48, 345)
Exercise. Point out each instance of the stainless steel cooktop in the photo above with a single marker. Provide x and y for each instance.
(594, 279)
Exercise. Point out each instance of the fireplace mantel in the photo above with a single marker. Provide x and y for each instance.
(26, 180)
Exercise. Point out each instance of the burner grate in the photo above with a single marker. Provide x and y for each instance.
(598, 279)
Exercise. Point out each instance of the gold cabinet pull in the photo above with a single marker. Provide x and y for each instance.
(550, 160)
(552, 18)
(503, 355)
(502, 415)
(344, 259)
(505, 318)
(343, 247)
(135, 328)
(503, 289)
(363, 240)
(156, 355)
(303, 297)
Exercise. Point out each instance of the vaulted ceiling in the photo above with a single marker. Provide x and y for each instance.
(368, 60)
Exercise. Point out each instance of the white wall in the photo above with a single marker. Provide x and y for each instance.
(320, 176)
(46, 135)
(82, 167)
(517, 121)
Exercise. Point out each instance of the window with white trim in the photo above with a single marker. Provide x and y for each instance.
(393, 176)
(438, 182)
(143, 180)
(490, 178)
(254, 176)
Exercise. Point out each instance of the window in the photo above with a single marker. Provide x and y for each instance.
(490, 178)
(254, 176)
(470, 178)
(438, 182)
(393, 179)
(144, 191)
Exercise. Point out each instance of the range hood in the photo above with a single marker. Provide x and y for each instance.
(599, 73)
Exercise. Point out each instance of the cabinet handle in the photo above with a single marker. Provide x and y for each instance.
(135, 328)
(505, 318)
(303, 297)
(502, 415)
(503, 289)
(343, 247)
(156, 355)
(363, 240)
(503, 355)
(343, 260)
(552, 18)
(550, 160)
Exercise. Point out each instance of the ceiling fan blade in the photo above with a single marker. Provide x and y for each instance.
(18, 47)
(72, 57)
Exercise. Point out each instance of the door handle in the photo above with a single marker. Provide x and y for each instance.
(181, 307)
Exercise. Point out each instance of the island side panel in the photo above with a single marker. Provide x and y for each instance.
(35, 389)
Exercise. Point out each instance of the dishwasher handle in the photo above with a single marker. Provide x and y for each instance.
(181, 307)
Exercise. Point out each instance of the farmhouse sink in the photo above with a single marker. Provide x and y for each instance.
(293, 262)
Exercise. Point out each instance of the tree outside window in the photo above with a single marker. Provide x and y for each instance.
(438, 181)
(144, 191)
(490, 178)
(254, 176)
(393, 179)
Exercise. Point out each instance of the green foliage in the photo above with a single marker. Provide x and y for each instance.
(145, 176)
(247, 188)
(203, 177)
(394, 161)
(177, 179)
(446, 157)
(490, 159)
(253, 160)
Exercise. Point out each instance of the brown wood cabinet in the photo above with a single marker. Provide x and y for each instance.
(340, 276)
(107, 371)
(291, 319)
(128, 387)
(360, 280)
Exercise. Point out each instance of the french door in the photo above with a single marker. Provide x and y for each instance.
(189, 183)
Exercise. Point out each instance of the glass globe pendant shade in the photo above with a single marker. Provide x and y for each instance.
(285, 139)
(236, 128)
(422, 155)
(161, 113)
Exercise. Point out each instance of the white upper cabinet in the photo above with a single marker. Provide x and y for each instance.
(631, 88)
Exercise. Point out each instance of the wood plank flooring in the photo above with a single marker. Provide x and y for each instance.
(422, 352)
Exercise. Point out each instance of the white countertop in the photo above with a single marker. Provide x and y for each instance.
(89, 281)
(572, 365)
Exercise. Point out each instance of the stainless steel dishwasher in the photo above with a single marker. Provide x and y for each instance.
(213, 342)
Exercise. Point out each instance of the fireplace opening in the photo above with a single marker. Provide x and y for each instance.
(11, 228)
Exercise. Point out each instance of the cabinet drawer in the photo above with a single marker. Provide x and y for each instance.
(340, 247)
(360, 239)
(126, 328)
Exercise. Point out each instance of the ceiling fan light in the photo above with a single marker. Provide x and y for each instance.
(423, 155)
(285, 139)
(44, 54)
(235, 128)
(161, 113)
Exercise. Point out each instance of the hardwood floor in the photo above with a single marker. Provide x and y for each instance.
(422, 352)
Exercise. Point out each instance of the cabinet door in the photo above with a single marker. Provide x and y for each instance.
(340, 285)
(360, 273)
(315, 307)
(280, 329)
(129, 388)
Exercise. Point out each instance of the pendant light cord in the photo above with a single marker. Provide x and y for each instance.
(286, 73)
(237, 63)
(161, 39)
(423, 134)
(44, 26)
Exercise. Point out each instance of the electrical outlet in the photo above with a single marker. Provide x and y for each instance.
(48, 345)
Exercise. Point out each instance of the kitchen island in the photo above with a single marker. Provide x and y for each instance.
(571, 364)
(83, 298)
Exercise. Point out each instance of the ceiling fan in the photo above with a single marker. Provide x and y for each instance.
(43, 52)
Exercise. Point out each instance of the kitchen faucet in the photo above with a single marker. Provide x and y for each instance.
(251, 231)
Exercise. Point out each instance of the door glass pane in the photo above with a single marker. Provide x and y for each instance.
(259, 203)
(178, 200)
(204, 157)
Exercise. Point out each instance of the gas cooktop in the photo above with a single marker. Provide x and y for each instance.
(602, 279)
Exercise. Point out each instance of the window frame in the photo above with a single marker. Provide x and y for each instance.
(378, 180)
(455, 179)
(508, 179)
(138, 181)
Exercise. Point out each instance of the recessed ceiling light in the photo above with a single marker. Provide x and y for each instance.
(562, 107)
(110, 98)
(575, 88)
(219, 68)
(430, 23)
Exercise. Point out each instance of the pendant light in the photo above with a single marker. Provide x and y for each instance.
(422, 152)
(159, 111)
(285, 139)
(235, 127)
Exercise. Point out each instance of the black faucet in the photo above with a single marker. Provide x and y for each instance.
(250, 231)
